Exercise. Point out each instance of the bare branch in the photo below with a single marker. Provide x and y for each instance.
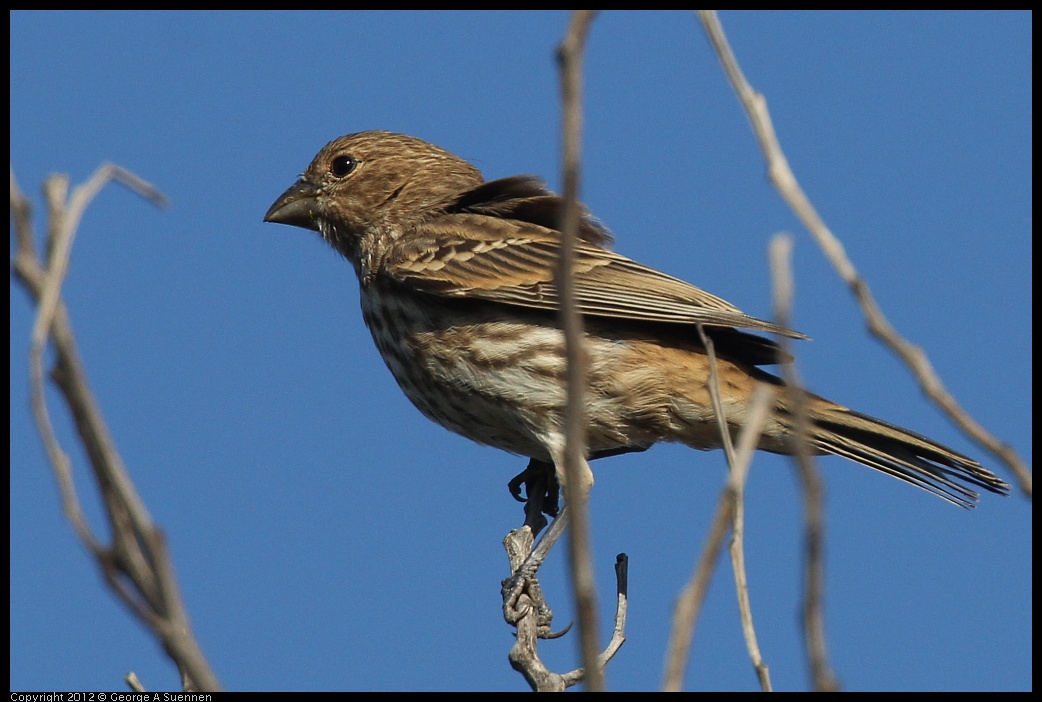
(813, 489)
(713, 384)
(524, 654)
(133, 683)
(784, 180)
(578, 478)
(759, 407)
(532, 615)
(689, 603)
(137, 565)
(690, 600)
(618, 635)
(738, 469)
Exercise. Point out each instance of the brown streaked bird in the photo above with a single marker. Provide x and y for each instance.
(457, 289)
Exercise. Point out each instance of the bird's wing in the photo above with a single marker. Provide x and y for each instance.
(512, 262)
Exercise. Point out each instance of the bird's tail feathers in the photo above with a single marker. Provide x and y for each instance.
(900, 452)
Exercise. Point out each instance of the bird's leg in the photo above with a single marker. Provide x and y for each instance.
(542, 493)
(524, 577)
(542, 483)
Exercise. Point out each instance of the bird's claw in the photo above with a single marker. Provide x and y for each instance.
(525, 583)
(541, 493)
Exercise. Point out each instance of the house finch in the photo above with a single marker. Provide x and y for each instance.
(457, 289)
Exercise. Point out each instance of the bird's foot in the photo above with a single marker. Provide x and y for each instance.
(541, 493)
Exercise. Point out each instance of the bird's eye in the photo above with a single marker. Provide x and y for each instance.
(342, 165)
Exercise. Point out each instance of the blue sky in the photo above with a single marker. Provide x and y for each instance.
(326, 535)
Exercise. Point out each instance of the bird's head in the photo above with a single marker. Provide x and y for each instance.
(372, 183)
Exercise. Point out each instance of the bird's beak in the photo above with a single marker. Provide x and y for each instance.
(296, 207)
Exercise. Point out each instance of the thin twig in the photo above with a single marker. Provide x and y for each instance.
(618, 635)
(748, 438)
(28, 269)
(738, 469)
(690, 600)
(524, 654)
(137, 566)
(780, 252)
(133, 682)
(576, 469)
(713, 383)
(784, 180)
